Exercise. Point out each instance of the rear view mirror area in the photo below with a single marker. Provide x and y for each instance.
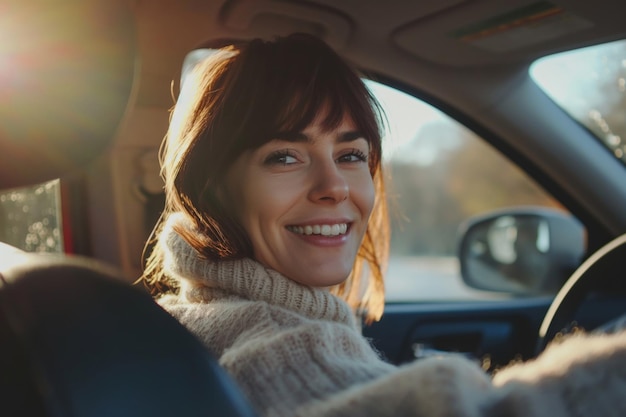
(523, 251)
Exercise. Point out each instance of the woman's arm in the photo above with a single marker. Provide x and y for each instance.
(581, 376)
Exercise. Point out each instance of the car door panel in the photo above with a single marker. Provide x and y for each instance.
(494, 333)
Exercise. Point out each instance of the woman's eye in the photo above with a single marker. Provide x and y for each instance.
(355, 155)
(281, 158)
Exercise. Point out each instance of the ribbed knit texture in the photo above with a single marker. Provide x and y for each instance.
(297, 351)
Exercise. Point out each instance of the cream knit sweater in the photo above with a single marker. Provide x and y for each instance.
(297, 351)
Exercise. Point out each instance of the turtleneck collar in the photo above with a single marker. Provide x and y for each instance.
(201, 280)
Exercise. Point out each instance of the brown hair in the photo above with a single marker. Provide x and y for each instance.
(236, 100)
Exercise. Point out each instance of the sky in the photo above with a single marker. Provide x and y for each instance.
(406, 116)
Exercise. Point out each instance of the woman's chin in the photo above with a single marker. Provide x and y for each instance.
(321, 278)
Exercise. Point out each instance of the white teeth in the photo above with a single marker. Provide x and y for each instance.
(323, 229)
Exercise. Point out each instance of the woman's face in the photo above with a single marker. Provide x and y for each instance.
(304, 200)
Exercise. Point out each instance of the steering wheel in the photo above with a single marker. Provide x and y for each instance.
(594, 274)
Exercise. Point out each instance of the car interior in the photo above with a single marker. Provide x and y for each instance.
(86, 93)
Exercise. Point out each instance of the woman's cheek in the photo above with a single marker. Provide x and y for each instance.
(367, 195)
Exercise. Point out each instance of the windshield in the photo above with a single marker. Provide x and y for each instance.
(590, 84)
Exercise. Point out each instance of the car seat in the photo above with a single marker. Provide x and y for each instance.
(75, 340)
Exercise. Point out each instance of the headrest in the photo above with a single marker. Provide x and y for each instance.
(65, 81)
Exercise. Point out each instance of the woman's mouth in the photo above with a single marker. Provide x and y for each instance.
(320, 229)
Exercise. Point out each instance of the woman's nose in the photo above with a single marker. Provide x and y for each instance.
(329, 184)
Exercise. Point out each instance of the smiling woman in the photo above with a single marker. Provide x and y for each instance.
(274, 202)
(311, 118)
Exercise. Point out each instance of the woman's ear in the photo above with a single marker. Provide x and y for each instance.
(224, 190)
(223, 199)
(220, 194)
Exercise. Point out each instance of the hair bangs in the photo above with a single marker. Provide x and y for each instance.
(289, 83)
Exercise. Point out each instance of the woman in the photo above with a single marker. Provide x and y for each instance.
(275, 211)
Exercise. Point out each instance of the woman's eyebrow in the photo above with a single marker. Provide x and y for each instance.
(350, 136)
(342, 137)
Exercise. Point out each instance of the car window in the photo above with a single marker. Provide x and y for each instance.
(439, 175)
(590, 84)
(30, 218)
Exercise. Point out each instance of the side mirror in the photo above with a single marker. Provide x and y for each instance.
(523, 251)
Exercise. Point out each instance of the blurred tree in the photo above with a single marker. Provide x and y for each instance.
(607, 118)
(30, 218)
